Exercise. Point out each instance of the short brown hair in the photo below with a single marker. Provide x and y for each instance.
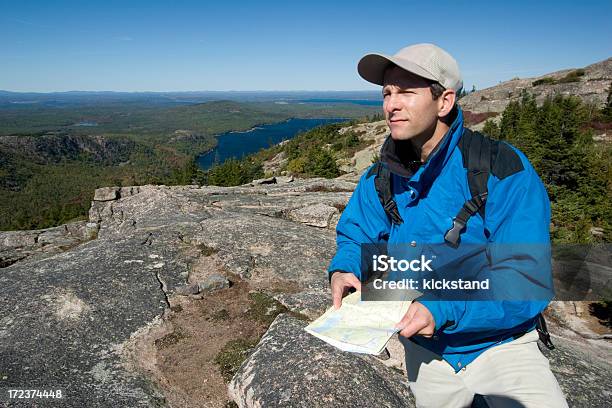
(436, 89)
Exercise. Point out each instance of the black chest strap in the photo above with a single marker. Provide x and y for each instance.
(471, 207)
(383, 182)
(478, 153)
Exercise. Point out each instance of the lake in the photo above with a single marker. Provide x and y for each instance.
(239, 144)
(86, 124)
(366, 102)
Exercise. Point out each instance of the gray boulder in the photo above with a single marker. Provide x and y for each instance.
(36, 244)
(212, 283)
(291, 368)
(107, 193)
(316, 215)
(584, 375)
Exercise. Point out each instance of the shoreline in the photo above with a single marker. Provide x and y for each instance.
(259, 127)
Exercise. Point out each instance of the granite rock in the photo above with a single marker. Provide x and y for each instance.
(319, 375)
(68, 306)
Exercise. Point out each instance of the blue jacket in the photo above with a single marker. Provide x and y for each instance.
(428, 197)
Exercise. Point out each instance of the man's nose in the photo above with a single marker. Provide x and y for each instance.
(392, 103)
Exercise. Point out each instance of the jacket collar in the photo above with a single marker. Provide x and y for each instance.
(402, 161)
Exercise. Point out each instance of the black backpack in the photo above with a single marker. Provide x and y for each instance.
(482, 156)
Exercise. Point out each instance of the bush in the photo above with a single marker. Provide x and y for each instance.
(573, 76)
(351, 139)
(296, 166)
(544, 81)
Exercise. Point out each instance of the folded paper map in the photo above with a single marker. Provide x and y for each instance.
(360, 326)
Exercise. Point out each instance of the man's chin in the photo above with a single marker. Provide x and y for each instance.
(401, 136)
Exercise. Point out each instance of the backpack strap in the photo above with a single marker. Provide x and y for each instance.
(471, 207)
(383, 182)
(478, 158)
(478, 152)
(543, 333)
(482, 157)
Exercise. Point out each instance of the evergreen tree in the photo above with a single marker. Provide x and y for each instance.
(509, 121)
(320, 163)
(607, 111)
(525, 134)
(491, 129)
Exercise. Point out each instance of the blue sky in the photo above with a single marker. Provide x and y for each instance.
(283, 45)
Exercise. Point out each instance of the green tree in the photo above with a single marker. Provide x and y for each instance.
(321, 163)
(233, 172)
(509, 121)
(491, 129)
(607, 110)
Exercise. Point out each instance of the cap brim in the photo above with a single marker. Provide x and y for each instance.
(372, 67)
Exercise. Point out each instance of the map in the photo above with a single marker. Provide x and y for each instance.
(360, 326)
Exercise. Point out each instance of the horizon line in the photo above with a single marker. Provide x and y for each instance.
(198, 91)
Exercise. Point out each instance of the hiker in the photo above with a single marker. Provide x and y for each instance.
(439, 183)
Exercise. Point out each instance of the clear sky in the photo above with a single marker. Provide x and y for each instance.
(283, 45)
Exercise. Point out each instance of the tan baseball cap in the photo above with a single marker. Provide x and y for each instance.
(425, 60)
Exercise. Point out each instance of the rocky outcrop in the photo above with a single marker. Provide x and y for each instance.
(275, 163)
(319, 375)
(19, 245)
(64, 317)
(591, 87)
(70, 317)
(581, 372)
(67, 314)
(374, 133)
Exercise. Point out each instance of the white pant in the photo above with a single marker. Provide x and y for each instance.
(511, 375)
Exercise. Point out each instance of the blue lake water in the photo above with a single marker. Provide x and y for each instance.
(366, 102)
(239, 144)
(86, 124)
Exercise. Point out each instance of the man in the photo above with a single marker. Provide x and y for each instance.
(454, 348)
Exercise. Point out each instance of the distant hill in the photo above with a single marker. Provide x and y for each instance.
(589, 83)
(81, 98)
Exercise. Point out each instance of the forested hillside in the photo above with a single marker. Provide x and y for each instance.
(52, 158)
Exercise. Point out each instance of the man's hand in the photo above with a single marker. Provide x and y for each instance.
(341, 282)
(417, 320)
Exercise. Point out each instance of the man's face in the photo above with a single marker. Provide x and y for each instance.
(409, 108)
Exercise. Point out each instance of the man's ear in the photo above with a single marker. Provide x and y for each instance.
(446, 101)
